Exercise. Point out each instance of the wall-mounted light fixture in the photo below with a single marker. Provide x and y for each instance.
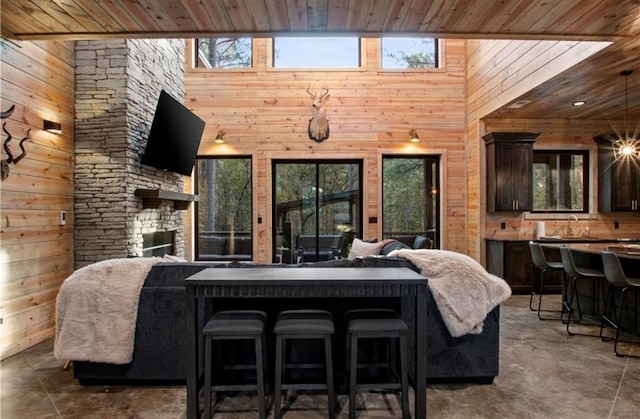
(414, 136)
(50, 126)
(220, 137)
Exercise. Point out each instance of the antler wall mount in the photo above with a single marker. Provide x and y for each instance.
(319, 124)
(7, 164)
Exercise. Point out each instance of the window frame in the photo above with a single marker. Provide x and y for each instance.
(586, 184)
(361, 58)
(196, 229)
(437, 56)
(436, 159)
(195, 50)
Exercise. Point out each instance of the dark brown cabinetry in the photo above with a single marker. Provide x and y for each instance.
(509, 170)
(618, 179)
(511, 260)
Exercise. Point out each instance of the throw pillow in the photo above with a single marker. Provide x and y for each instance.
(393, 245)
(362, 248)
(422, 242)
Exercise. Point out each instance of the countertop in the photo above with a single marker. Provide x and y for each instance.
(627, 250)
(569, 240)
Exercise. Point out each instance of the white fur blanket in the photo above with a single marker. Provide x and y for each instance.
(462, 289)
(97, 309)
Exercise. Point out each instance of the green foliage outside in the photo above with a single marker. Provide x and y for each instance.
(225, 52)
(224, 186)
(403, 195)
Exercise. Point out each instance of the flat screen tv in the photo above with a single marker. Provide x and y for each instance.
(174, 137)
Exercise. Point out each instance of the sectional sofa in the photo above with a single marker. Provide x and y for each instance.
(159, 348)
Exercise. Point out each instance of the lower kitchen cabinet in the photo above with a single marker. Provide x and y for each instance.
(511, 260)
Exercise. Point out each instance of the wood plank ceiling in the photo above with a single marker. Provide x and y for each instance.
(595, 80)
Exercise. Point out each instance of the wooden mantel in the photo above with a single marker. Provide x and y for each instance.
(151, 198)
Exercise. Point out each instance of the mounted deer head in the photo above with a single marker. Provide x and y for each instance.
(7, 164)
(319, 124)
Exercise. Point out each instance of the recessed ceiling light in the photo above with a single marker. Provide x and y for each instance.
(579, 103)
(518, 104)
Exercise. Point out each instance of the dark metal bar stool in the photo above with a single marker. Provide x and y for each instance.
(541, 267)
(234, 325)
(617, 280)
(376, 323)
(303, 324)
(574, 275)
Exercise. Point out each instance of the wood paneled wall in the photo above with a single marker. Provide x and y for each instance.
(36, 253)
(265, 113)
(498, 71)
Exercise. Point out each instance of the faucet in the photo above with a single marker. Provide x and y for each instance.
(569, 229)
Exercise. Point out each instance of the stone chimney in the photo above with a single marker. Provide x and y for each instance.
(118, 83)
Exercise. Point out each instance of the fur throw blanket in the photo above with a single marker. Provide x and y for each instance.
(97, 309)
(462, 289)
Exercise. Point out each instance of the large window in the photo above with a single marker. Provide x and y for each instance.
(560, 181)
(404, 53)
(223, 53)
(411, 196)
(316, 52)
(224, 212)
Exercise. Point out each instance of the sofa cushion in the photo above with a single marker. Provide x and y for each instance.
(391, 246)
(383, 262)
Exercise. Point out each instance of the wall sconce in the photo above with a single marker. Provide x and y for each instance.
(50, 126)
(414, 136)
(220, 137)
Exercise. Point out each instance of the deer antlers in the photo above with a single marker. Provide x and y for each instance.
(323, 98)
(319, 124)
(10, 161)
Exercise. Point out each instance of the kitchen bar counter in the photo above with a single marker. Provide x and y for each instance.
(588, 255)
(510, 259)
(630, 251)
(585, 240)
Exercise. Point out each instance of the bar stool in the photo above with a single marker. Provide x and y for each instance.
(575, 274)
(617, 280)
(303, 324)
(376, 323)
(236, 325)
(541, 267)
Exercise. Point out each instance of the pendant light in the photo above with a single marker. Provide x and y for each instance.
(627, 145)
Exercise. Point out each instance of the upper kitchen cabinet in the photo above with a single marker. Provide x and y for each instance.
(618, 179)
(509, 170)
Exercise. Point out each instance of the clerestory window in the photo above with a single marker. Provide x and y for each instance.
(316, 52)
(409, 53)
(224, 53)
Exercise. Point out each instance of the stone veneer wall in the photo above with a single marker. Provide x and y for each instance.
(118, 83)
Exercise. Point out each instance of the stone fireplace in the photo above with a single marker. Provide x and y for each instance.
(118, 83)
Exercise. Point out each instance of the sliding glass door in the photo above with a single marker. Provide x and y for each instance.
(317, 207)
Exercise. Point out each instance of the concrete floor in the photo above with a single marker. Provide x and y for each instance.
(544, 373)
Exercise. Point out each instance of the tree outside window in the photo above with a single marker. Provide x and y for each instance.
(224, 212)
(224, 53)
(403, 53)
(560, 181)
